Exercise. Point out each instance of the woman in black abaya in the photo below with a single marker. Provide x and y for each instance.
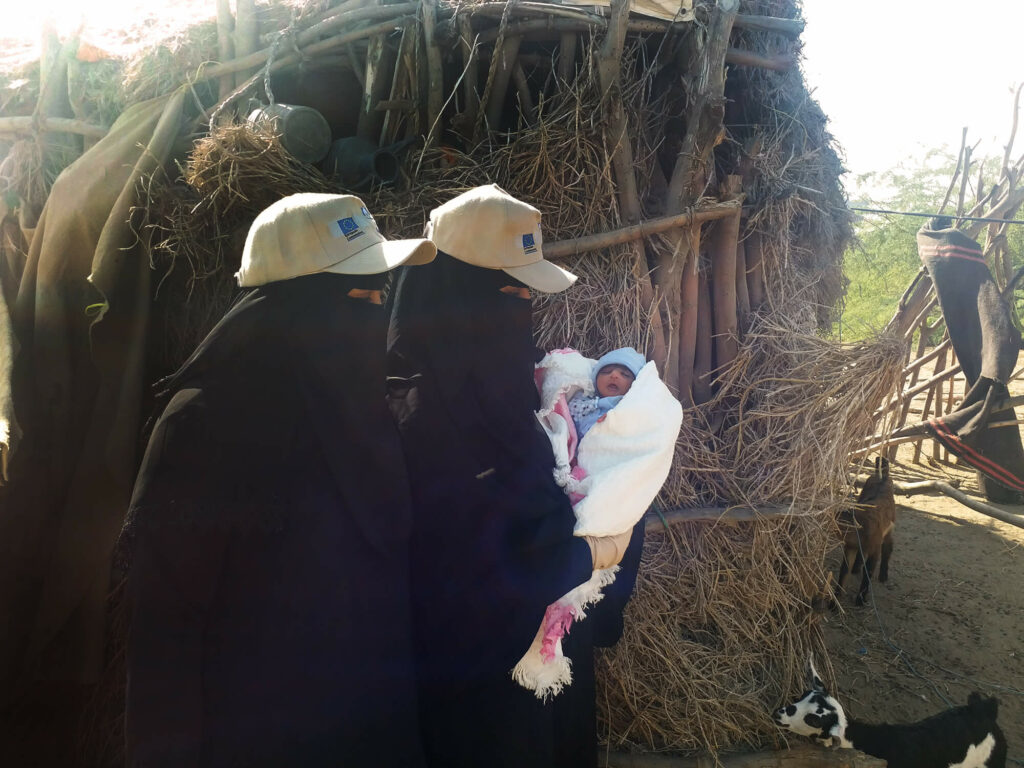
(269, 526)
(493, 540)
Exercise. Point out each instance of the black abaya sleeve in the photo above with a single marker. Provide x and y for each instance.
(574, 710)
(607, 614)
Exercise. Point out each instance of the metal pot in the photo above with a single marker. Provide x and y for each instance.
(304, 132)
(357, 162)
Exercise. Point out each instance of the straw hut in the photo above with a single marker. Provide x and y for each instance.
(684, 173)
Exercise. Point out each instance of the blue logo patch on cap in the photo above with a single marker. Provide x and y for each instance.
(348, 228)
(529, 246)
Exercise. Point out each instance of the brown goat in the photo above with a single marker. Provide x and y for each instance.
(868, 531)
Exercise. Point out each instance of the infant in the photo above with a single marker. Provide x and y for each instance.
(616, 372)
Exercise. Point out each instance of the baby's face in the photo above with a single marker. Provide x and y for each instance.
(614, 380)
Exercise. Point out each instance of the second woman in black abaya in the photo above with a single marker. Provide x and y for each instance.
(492, 534)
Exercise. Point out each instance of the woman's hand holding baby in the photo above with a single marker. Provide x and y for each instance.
(607, 551)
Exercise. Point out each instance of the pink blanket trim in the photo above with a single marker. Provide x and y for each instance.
(557, 620)
(558, 617)
(578, 473)
(562, 409)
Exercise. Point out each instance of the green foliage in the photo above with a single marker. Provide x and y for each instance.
(883, 260)
(878, 269)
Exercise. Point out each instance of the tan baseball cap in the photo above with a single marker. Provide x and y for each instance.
(487, 227)
(310, 232)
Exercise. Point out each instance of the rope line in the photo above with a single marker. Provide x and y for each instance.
(933, 215)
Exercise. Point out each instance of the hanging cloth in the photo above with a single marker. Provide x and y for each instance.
(987, 345)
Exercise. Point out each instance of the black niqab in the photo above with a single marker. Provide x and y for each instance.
(451, 324)
(269, 578)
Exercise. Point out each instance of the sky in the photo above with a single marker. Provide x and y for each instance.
(895, 77)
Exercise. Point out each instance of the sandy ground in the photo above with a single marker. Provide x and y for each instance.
(949, 621)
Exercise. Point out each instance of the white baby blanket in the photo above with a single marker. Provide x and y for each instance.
(612, 475)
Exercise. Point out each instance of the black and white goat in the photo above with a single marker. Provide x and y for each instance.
(965, 737)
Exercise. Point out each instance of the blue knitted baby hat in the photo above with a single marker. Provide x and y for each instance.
(626, 356)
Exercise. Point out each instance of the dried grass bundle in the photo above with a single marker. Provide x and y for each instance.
(717, 633)
(160, 68)
(243, 165)
(231, 175)
(793, 406)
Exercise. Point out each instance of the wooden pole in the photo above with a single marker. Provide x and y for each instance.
(956, 171)
(779, 63)
(702, 362)
(29, 125)
(247, 33)
(940, 366)
(914, 298)
(730, 515)
(723, 247)
(936, 351)
(225, 45)
(922, 343)
(319, 18)
(562, 248)
(921, 388)
(705, 110)
(672, 261)
(704, 114)
(921, 320)
(471, 95)
(400, 83)
(378, 78)
(566, 59)
(310, 50)
(688, 308)
(755, 269)
(526, 106)
(506, 60)
(435, 72)
(963, 182)
(310, 40)
(583, 24)
(910, 489)
(952, 390)
(791, 28)
(742, 296)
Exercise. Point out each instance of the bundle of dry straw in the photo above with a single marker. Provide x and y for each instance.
(717, 633)
(787, 414)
